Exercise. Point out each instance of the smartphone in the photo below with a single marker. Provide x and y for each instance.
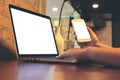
(81, 30)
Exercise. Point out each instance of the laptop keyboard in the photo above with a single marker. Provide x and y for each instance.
(49, 59)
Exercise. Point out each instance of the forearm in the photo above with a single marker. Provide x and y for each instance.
(104, 55)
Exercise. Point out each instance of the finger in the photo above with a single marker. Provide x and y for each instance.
(63, 55)
(74, 33)
(75, 36)
(92, 34)
(90, 31)
(58, 57)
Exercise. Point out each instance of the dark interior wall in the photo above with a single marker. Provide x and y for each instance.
(116, 29)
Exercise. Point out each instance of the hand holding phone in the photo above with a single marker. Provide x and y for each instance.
(81, 30)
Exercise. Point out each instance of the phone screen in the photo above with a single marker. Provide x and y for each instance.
(81, 30)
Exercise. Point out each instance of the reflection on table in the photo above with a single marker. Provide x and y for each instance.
(15, 70)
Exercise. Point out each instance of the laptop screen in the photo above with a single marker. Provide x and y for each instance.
(33, 32)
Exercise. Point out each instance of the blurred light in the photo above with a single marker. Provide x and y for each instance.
(55, 9)
(95, 5)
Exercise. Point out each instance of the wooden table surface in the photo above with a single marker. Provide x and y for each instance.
(15, 70)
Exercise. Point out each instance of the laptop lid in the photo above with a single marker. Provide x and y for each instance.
(33, 33)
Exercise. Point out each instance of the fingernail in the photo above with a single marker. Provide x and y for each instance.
(56, 56)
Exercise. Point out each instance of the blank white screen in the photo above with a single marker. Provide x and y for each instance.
(33, 33)
(81, 30)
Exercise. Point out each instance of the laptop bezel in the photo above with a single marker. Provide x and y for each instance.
(34, 13)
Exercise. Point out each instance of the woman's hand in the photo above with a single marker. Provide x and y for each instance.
(76, 53)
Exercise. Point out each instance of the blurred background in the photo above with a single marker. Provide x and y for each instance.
(100, 15)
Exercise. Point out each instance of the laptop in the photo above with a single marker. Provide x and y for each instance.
(34, 36)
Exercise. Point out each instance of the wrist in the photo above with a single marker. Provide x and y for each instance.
(86, 52)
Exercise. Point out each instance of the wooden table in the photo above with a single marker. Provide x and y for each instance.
(15, 70)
